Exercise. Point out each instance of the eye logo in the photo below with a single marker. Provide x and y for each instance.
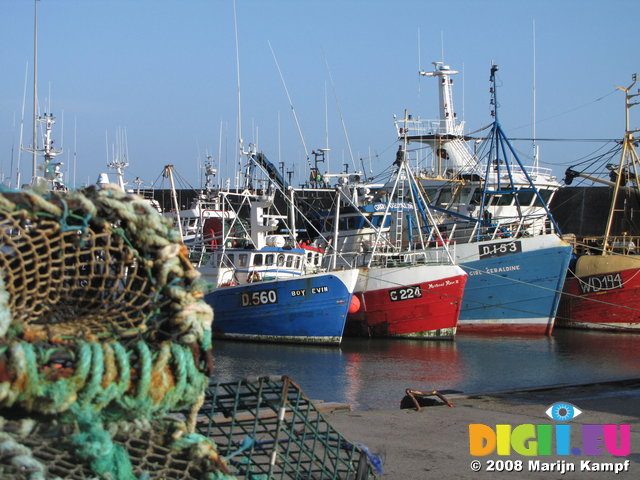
(563, 412)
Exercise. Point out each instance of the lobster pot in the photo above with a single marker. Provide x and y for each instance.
(44, 450)
(266, 428)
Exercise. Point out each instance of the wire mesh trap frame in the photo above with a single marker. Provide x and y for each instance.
(266, 428)
(45, 450)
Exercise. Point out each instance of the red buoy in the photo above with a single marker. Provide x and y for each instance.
(354, 306)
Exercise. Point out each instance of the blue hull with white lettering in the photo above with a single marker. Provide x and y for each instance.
(512, 292)
(305, 309)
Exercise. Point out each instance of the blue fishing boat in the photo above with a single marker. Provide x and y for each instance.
(495, 212)
(303, 309)
(265, 285)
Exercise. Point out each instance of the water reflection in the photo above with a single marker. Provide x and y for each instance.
(373, 373)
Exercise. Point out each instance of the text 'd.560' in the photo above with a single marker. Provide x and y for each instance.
(261, 297)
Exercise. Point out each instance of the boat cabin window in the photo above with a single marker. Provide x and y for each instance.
(242, 260)
(289, 261)
(498, 199)
(280, 260)
(268, 259)
(297, 262)
(525, 198)
(505, 199)
(225, 260)
(545, 194)
(257, 260)
(313, 258)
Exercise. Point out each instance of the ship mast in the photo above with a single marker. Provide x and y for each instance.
(447, 114)
(35, 94)
(52, 169)
(445, 136)
(628, 161)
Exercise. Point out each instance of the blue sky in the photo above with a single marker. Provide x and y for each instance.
(164, 72)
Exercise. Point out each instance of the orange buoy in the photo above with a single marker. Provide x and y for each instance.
(354, 306)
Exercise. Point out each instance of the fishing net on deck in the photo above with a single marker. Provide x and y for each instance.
(103, 334)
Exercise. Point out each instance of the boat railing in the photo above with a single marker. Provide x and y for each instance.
(424, 128)
(499, 228)
(199, 254)
(433, 253)
(436, 255)
(433, 128)
(534, 171)
(594, 245)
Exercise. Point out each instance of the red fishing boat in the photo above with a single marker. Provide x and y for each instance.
(409, 284)
(602, 289)
(416, 301)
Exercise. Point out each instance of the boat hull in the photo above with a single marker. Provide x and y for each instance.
(417, 301)
(306, 309)
(514, 286)
(603, 293)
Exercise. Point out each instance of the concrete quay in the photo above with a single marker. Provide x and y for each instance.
(435, 441)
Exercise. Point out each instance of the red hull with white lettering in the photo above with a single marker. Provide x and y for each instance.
(608, 301)
(393, 306)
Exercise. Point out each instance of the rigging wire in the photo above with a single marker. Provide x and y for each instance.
(344, 127)
(570, 110)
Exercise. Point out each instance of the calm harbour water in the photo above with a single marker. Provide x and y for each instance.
(374, 373)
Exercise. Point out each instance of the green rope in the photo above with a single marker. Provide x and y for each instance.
(95, 445)
(93, 386)
(180, 369)
(200, 446)
(144, 382)
(65, 226)
(112, 390)
(86, 386)
(32, 384)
